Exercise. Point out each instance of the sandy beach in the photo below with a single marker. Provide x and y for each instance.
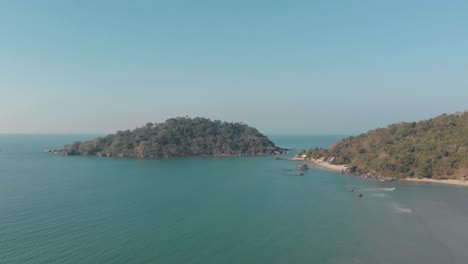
(337, 168)
(340, 168)
(449, 182)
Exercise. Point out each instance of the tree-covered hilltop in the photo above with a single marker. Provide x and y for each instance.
(178, 137)
(435, 148)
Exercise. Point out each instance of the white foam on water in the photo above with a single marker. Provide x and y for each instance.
(400, 209)
(380, 189)
(378, 195)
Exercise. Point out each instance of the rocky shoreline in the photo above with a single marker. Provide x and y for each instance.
(351, 171)
(62, 152)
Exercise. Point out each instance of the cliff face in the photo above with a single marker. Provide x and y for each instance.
(435, 148)
(178, 137)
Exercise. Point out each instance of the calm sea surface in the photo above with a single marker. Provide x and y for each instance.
(63, 210)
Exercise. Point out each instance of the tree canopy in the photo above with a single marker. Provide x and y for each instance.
(179, 137)
(435, 148)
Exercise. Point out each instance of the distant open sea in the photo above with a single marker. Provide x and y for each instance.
(62, 210)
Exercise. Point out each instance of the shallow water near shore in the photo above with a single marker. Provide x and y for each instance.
(56, 209)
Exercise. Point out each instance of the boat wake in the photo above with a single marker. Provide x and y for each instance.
(378, 195)
(401, 209)
(380, 189)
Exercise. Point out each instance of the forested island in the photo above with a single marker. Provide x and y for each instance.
(178, 137)
(431, 149)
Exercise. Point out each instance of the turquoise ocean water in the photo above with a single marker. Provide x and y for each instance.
(63, 210)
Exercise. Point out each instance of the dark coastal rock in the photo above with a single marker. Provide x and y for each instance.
(302, 167)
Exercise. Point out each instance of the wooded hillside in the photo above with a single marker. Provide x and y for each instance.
(178, 137)
(435, 148)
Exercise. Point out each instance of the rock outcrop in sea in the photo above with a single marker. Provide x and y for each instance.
(302, 167)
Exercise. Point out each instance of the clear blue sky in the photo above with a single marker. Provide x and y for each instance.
(339, 67)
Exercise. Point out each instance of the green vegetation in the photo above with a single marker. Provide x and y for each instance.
(435, 148)
(178, 137)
